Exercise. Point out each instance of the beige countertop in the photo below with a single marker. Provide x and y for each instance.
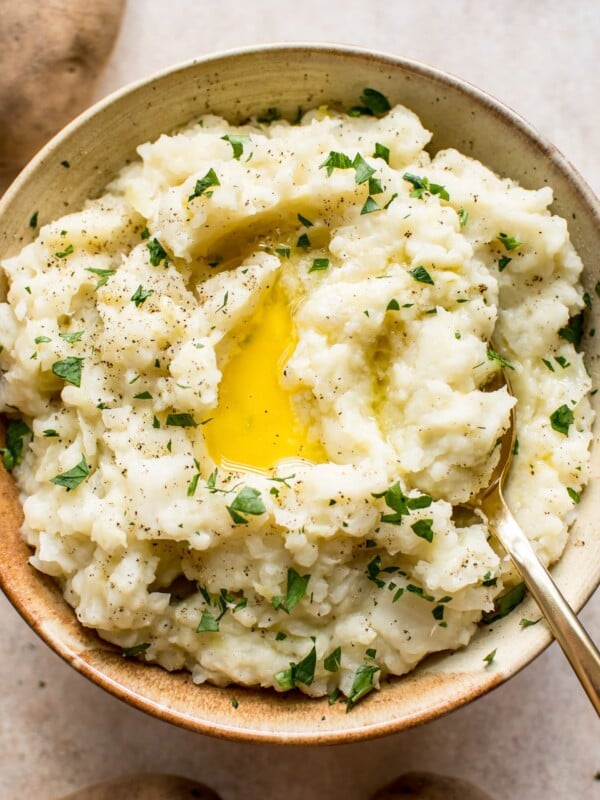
(534, 737)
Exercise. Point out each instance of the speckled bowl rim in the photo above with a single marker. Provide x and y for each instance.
(366, 727)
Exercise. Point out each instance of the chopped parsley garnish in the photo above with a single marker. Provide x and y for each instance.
(400, 504)
(157, 252)
(304, 221)
(49, 432)
(303, 672)
(418, 590)
(69, 369)
(103, 274)
(362, 684)
(504, 604)
(136, 650)
(143, 396)
(65, 164)
(319, 264)
(33, 220)
(72, 477)
(284, 252)
(562, 419)
(587, 300)
(270, 115)
(237, 142)
(71, 338)
(548, 364)
(375, 186)
(562, 361)
(527, 623)
(295, 591)
(381, 151)
(333, 660)
(370, 206)
(488, 580)
(235, 702)
(373, 103)
(202, 184)
(336, 161)
(362, 170)
(573, 332)
(393, 305)
(140, 295)
(420, 274)
(193, 485)
(66, 252)
(424, 529)
(181, 421)
(145, 234)
(303, 241)
(503, 263)
(494, 356)
(12, 454)
(421, 187)
(574, 495)
(247, 501)
(438, 613)
(42, 339)
(208, 623)
(509, 242)
(280, 636)
(490, 657)
(463, 217)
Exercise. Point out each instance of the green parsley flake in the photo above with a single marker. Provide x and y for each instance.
(50, 432)
(573, 332)
(503, 263)
(420, 274)
(72, 477)
(71, 338)
(295, 591)
(421, 187)
(208, 623)
(504, 604)
(284, 252)
(490, 657)
(247, 501)
(562, 419)
(304, 221)
(145, 234)
(370, 206)
(574, 495)
(381, 151)
(103, 274)
(33, 220)
(237, 142)
(42, 339)
(157, 252)
(333, 661)
(202, 184)
(424, 529)
(375, 186)
(494, 356)
(136, 650)
(400, 504)
(69, 369)
(362, 684)
(509, 242)
(336, 160)
(140, 295)
(319, 264)
(527, 623)
(303, 241)
(143, 396)
(235, 702)
(393, 305)
(303, 672)
(181, 421)
(374, 104)
(362, 170)
(12, 454)
(66, 252)
(463, 217)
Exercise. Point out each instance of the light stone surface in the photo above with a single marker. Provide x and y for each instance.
(534, 737)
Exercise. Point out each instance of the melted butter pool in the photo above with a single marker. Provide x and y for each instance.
(254, 425)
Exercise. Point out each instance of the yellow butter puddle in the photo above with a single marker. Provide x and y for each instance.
(254, 425)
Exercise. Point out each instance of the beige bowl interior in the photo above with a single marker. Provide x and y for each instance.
(237, 85)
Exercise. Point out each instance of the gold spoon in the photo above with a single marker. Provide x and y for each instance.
(568, 631)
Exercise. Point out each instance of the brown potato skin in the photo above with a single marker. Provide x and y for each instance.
(429, 786)
(147, 787)
(52, 52)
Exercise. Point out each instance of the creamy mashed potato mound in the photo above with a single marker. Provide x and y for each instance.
(248, 393)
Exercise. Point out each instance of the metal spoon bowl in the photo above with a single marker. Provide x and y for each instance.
(581, 652)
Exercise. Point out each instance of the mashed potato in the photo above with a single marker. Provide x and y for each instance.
(251, 378)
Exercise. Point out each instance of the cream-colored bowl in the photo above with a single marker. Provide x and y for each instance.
(236, 85)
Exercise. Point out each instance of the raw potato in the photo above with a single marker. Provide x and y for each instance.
(428, 786)
(147, 787)
(51, 54)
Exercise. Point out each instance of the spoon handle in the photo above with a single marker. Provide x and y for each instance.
(568, 631)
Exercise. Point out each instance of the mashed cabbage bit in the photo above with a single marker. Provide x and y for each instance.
(248, 392)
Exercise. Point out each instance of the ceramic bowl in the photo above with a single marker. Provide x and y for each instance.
(236, 85)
